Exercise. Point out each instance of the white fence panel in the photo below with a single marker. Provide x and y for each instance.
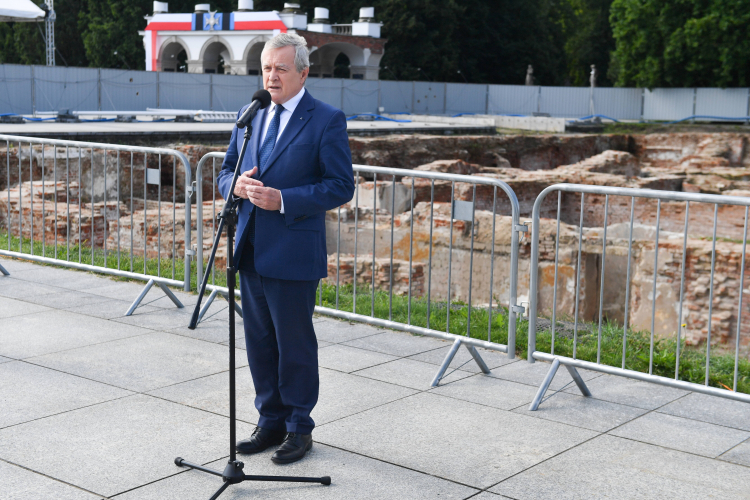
(66, 88)
(232, 92)
(15, 89)
(465, 98)
(123, 90)
(667, 104)
(429, 98)
(360, 96)
(184, 91)
(726, 103)
(565, 102)
(396, 97)
(513, 99)
(618, 103)
(327, 90)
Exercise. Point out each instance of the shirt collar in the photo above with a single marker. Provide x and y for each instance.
(291, 104)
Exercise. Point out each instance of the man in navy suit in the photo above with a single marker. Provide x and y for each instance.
(297, 167)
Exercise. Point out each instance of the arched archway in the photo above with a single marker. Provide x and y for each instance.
(215, 56)
(252, 57)
(326, 59)
(174, 56)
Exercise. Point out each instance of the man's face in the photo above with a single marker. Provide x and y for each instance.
(280, 76)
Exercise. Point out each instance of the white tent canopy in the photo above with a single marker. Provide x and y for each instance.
(20, 11)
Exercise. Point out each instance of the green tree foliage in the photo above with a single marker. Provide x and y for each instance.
(588, 40)
(681, 43)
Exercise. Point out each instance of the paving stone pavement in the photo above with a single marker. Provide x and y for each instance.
(96, 405)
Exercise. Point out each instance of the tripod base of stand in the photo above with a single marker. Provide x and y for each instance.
(233, 475)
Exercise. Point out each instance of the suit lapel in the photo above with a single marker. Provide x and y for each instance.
(297, 122)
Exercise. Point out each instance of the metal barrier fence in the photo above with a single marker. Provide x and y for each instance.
(570, 278)
(31, 89)
(392, 198)
(78, 205)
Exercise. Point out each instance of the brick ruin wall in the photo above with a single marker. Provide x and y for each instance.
(709, 163)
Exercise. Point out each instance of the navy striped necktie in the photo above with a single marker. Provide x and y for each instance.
(265, 153)
(270, 141)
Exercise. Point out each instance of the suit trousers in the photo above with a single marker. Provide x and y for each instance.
(282, 349)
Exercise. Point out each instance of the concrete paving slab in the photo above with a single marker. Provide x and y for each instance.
(630, 392)
(409, 373)
(348, 359)
(487, 495)
(493, 359)
(115, 446)
(144, 363)
(28, 392)
(53, 331)
(711, 409)
(739, 454)
(352, 477)
(210, 331)
(5, 360)
(682, 434)
(16, 265)
(342, 395)
(211, 393)
(15, 288)
(126, 290)
(397, 343)
(335, 331)
(534, 373)
(23, 484)
(12, 307)
(580, 411)
(620, 469)
(69, 279)
(488, 391)
(67, 299)
(159, 320)
(452, 439)
(108, 308)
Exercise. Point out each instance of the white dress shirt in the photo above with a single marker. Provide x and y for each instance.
(289, 107)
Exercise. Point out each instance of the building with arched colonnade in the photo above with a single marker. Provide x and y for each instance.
(231, 42)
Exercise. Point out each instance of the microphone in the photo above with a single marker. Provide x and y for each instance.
(261, 100)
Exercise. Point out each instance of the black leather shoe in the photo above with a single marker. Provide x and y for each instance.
(293, 448)
(260, 440)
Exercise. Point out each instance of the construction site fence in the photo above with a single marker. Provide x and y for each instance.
(108, 208)
(596, 202)
(28, 90)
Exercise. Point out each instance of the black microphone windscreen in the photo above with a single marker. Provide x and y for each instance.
(264, 97)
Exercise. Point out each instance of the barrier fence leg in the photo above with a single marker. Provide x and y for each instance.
(446, 362)
(545, 385)
(579, 381)
(210, 300)
(237, 307)
(475, 354)
(146, 289)
(4, 271)
(171, 295)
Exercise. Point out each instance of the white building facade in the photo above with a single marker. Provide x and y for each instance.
(231, 43)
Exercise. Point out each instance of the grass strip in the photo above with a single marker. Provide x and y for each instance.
(461, 320)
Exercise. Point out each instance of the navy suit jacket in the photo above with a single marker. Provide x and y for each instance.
(311, 165)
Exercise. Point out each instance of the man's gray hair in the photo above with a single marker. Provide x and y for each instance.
(301, 55)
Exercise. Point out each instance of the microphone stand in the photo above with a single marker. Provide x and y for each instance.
(233, 473)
